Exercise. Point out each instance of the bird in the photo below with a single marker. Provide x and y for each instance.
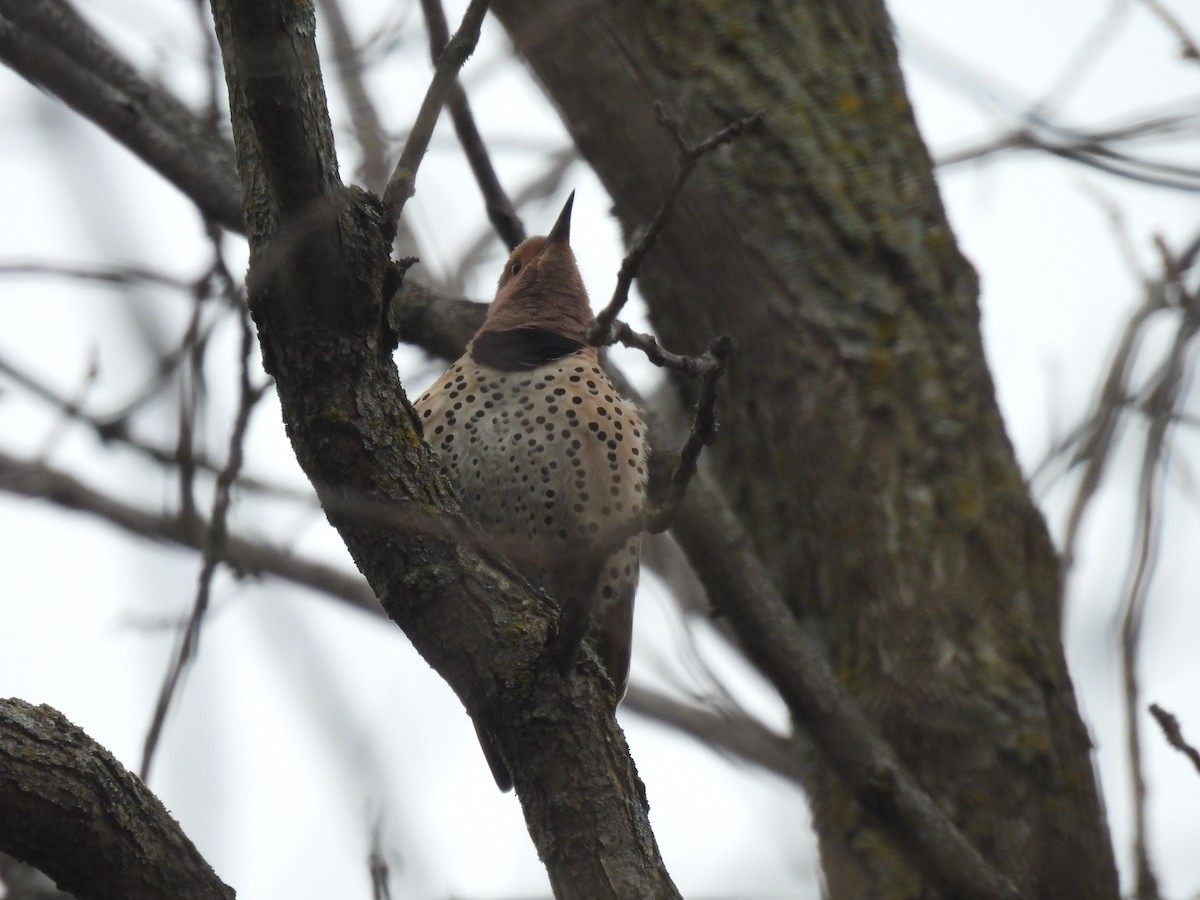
(548, 460)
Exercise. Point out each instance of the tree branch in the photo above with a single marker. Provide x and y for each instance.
(735, 735)
(439, 325)
(316, 292)
(116, 430)
(793, 659)
(368, 130)
(402, 184)
(499, 208)
(245, 557)
(60, 789)
(50, 45)
(710, 367)
(215, 548)
(1188, 47)
(601, 331)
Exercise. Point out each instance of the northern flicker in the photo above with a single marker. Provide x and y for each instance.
(548, 460)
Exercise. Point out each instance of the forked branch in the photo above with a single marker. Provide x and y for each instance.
(601, 332)
(402, 184)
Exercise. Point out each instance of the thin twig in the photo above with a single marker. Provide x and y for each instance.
(575, 617)
(364, 118)
(702, 434)
(402, 183)
(191, 399)
(1084, 149)
(1092, 147)
(214, 547)
(1094, 441)
(109, 430)
(64, 415)
(499, 208)
(734, 734)
(119, 275)
(377, 865)
(1188, 48)
(247, 558)
(1162, 402)
(1174, 734)
(600, 332)
(691, 366)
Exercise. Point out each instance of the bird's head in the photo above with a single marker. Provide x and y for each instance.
(541, 287)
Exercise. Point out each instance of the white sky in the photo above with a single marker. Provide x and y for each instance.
(301, 724)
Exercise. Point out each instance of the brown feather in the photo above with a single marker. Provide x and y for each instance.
(547, 459)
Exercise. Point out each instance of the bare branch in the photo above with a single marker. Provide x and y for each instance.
(1093, 442)
(364, 117)
(439, 325)
(377, 865)
(793, 659)
(60, 789)
(1095, 147)
(702, 434)
(191, 397)
(115, 425)
(402, 183)
(691, 366)
(116, 430)
(1188, 47)
(736, 735)
(600, 332)
(247, 558)
(499, 208)
(1085, 149)
(118, 275)
(1163, 402)
(1174, 734)
(49, 44)
(60, 427)
(214, 548)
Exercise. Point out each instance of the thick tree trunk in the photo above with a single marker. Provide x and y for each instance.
(861, 444)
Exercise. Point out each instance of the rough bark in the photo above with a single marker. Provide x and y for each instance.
(318, 276)
(70, 809)
(861, 443)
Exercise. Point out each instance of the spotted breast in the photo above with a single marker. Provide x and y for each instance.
(549, 462)
(547, 458)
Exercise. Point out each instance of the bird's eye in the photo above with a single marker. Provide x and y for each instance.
(515, 267)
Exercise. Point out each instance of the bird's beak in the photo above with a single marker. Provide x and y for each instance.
(561, 232)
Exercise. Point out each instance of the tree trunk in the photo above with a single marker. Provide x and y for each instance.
(319, 274)
(861, 444)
